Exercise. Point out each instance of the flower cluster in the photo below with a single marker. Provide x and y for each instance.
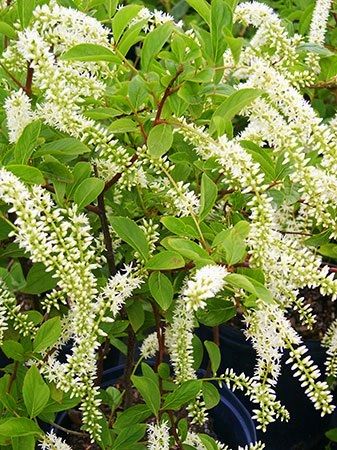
(158, 436)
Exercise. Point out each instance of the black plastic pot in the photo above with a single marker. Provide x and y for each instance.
(231, 421)
(305, 430)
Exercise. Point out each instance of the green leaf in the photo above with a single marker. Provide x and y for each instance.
(179, 226)
(90, 52)
(161, 289)
(149, 391)
(35, 392)
(62, 147)
(208, 196)
(210, 395)
(131, 233)
(234, 104)
(25, 11)
(160, 140)
(128, 436)
(38, 280)
(55, 170)
(7, 30)
(124, 125)
(188, 249)
(23, 442)
(218, 311)
(165, 260)
(14, 350)
(136, 314)
(232, 242)
(81, 171)
(27, 142)
(137, 91)
(88, 191)
(249, 285)
(332, 434)
(314, 48)
(202, 8)
(19, 426)
(122, 19)
(47, 335)
(235, 45)
(154, 42)
(182, 395)
(329, 250)
(214, 355)
(27, 174)
(133, 415)
(221, 16)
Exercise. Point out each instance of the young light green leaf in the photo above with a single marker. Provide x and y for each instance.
(161, 289)
(149, 390)
(214, 355)
(35, 392)
(131, 233)
(234, 104)
(13, 349)
(62, 147)
(137, 91)
(25, 11)
(90, 52)
(165, 260)
(27, 142)
(7, 30)
(208, 196)
(122, 19)
(202, 8)
(47, 334)
(221, 16)
(19, 426)
(28, 174)
(188, 249)
(160, 140)
(88, 191)
(154, 42)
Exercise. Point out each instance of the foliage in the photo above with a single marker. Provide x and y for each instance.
(160, 172)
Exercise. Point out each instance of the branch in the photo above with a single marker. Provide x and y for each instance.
(168, 91)
(116, 177)
(29, 81)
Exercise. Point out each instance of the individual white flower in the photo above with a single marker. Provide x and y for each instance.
(158, 436)
(19, 114)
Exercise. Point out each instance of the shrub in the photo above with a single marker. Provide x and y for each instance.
(157, 175)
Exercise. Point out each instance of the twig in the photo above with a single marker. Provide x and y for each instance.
(17, 82)
(106, 234)
(29, 80)
(66, 430)
(168, 91)
(12, 377)
(116, 177)
(174, 431)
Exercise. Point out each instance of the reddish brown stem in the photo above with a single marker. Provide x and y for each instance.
(168, 91)
(29, 80)
(174, 431)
